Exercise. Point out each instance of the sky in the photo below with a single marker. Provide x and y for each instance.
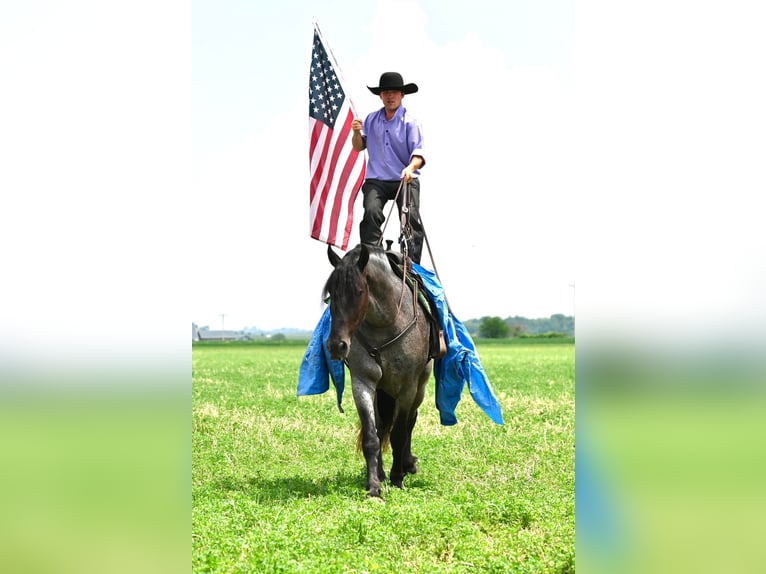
(575, 152)
(495, 104)
(155, 162)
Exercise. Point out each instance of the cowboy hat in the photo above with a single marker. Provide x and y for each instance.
(393, 81)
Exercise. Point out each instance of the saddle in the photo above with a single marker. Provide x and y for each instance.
(437, 346)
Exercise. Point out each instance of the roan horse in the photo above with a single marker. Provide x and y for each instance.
(380, 331)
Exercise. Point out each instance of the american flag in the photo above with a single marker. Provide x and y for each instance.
(337, 171)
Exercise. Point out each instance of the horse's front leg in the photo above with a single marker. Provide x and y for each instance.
(364, 398)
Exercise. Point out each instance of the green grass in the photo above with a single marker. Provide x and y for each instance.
(277, 484)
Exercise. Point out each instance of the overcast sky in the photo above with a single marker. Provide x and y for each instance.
(155, 160)
(565, 143)
(495, 101)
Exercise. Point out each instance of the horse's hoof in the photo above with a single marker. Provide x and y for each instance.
(411, 467)
(374, 495)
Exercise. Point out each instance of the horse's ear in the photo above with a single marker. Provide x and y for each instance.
(332, 256)
(364, 257)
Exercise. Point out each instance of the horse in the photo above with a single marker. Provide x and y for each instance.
(380, 331)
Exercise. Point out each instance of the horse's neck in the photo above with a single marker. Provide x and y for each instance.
(388, 305)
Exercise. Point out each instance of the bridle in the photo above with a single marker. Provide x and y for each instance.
(405, 236)
(374, 352)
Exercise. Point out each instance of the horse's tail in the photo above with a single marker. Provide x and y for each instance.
(385, 444)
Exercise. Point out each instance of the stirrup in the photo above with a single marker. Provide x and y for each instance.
(442, 345)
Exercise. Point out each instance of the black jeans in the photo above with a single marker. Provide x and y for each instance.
(377, 193)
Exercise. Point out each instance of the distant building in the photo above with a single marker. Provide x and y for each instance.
(218, 335)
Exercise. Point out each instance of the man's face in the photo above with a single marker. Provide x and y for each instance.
(391, 99)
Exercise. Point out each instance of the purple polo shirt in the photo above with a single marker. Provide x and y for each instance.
(391, 144)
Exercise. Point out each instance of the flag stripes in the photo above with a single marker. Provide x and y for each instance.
(337, 170)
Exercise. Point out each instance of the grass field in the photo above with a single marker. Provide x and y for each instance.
(277, 484)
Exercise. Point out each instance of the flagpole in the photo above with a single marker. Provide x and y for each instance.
(334, 64)
(337, 169)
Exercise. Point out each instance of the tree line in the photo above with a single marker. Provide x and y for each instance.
(499, 328)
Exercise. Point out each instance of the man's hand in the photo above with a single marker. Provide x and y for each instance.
(357, 141)
(415, 164)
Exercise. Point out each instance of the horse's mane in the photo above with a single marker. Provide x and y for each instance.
(346, 277)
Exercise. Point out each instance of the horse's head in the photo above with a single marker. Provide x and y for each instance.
(349, 298)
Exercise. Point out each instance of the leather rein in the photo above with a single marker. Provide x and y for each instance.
(374, 352)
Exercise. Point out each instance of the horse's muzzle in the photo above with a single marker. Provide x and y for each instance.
(338, 348)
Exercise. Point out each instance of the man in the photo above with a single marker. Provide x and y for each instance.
(394, 143)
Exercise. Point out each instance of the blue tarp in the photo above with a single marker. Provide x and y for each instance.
(460, 365)
(317, 367)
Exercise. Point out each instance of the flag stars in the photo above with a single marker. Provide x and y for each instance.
(325, 91)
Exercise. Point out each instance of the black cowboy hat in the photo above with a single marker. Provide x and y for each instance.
(393, 81)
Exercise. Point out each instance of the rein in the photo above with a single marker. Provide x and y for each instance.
(406, 233)
(390, 209)
(406, 230)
